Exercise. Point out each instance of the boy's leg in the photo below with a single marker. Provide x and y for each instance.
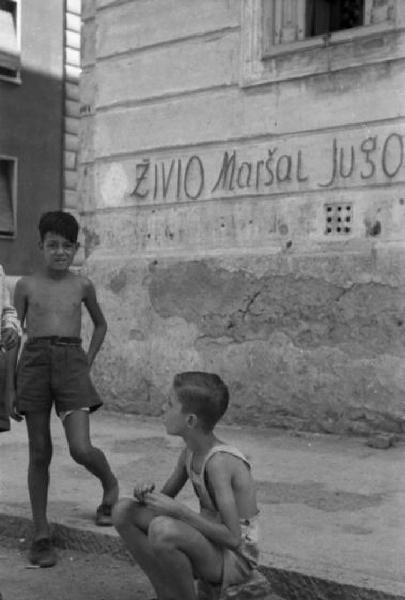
(183, 552)
(169, 551)
(131, 520)
(40, 454)
(77, 429)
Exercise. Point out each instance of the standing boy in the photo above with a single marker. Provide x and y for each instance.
(53, 367)
(174, 544)
(10, 330)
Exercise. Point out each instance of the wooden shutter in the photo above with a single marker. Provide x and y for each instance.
(289, 17)
(72, 102)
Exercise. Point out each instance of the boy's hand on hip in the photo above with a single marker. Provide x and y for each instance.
(12, 405)
(9, 338)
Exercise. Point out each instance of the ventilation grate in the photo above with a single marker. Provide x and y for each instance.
(338, 219)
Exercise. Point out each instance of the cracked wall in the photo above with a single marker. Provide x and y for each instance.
(301, 345)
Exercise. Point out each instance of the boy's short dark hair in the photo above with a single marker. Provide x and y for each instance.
(60, 222)
(203, 394)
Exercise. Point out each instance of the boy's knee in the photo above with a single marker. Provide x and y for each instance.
(122, 511)
(40, 455)
(38, 459)
(81, 454)
(162, 531)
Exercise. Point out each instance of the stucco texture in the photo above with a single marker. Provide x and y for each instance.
(305, 342)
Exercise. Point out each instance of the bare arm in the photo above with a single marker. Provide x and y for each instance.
(172, 486)
(10, 325)
(99, 322)
(177, 479)
(227, 533)
(21, 305)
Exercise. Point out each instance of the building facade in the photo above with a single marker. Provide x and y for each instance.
(39, 118)
(242, 193)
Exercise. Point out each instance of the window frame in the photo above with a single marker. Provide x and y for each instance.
(16, 76)
(14, 190)
(266, 62)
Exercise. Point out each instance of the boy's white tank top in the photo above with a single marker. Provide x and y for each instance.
(198, 479)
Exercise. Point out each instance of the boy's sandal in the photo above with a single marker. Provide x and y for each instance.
(103, 515)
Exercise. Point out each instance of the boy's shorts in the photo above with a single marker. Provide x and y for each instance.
(236, 570)
(238, 565)
(54, 369)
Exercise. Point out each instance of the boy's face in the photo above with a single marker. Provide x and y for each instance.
(174, 419)
(58, 251)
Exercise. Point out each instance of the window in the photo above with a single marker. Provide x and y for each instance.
(10, 52)
(291, 21)
(283, 39)
(8, 193)
(326, 16)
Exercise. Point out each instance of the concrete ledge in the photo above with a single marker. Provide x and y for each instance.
(297, 586)
(289, 584)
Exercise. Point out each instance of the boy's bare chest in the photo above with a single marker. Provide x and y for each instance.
(59, 299)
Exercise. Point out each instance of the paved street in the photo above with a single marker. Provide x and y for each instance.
(77, 576)
(331, 507)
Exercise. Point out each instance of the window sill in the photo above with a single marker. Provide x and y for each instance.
(327, 40)
(10, 79)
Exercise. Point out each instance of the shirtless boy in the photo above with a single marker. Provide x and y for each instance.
(53, 368)
(174, 544)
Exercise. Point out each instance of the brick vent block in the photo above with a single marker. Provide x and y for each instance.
(257, 587)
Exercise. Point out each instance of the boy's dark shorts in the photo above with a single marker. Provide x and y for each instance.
(54, 369)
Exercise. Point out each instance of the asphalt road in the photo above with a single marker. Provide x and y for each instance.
(77, 576)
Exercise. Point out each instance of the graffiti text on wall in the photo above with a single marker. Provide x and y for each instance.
(373, 159)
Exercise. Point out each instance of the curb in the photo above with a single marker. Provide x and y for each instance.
(63, 536)
(290, 585)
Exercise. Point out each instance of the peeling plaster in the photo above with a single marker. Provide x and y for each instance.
(367, 318)
(296, 348)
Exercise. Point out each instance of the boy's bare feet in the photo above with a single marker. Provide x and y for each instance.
(104, 511)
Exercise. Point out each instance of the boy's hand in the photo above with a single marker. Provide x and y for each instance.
(141, 490)
(164, 505)
(9, 338)
(12, 405)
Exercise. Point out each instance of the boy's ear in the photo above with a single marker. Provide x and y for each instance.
(41, 245)
(192, 421)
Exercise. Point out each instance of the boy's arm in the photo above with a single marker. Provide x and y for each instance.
(96, 315)
(20, 303)
(172, 486)
(10, 325)
(10, 384)
(177, 479)
(227, 533)
(10, 328)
